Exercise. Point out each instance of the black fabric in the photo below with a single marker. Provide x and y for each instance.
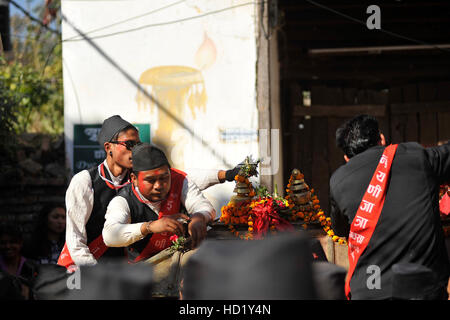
(409, 227)
(110, 127)
(139, 212)
(102, 196)
(412, 281)
(329, 280)
(113, 280)
(317, 250)
(148, 157)
(275, 268)
(108, 280)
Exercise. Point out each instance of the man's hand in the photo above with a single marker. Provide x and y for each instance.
(228, 175)
(165, 224)
(197, 229)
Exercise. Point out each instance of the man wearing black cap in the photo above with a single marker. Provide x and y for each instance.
(90, 192)
(145, 213)
(407, 226)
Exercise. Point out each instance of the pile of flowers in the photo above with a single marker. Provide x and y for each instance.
(265, 213)
(267, 216)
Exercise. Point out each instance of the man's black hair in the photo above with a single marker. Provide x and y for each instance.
(357, 135)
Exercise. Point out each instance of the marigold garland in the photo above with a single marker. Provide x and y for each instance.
(308, 216)
(234, 214)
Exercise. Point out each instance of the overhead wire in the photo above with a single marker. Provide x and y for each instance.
(167, 22)
(393, 34)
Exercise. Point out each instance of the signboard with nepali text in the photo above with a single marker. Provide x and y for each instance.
(87, 152)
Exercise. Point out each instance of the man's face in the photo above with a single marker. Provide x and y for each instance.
(122, 155)
(154, 184)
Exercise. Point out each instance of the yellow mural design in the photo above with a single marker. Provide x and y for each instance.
(176, 89)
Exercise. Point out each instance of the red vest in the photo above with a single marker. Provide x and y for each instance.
(171, 205)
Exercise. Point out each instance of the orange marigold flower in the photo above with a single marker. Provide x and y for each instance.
(250, 223)
(250, 229)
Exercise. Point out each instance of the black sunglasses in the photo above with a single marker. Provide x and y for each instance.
(129, 144)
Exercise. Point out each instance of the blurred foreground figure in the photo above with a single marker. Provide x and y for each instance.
(279, 267)
(107, 280)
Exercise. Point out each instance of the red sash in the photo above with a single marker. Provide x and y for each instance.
(366, 218)
(97, 247)
(172, 205)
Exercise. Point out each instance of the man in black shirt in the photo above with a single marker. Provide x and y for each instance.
(409, 228)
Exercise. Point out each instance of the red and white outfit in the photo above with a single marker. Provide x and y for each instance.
(80, 202)
(119, 229)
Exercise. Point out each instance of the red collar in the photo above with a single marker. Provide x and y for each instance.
(108, 182)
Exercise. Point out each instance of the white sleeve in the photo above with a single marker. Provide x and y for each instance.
(194, 201)
(79, 204)
(203, 178)
(118, 230)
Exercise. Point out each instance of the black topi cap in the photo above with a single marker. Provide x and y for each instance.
(147, 157)
(110, 127)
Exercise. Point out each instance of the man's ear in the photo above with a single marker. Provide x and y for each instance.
(107, 146)
(133, 178)
(382, 139)
(346, 158)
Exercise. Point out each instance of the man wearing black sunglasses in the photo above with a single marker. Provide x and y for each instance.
(90, 192)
